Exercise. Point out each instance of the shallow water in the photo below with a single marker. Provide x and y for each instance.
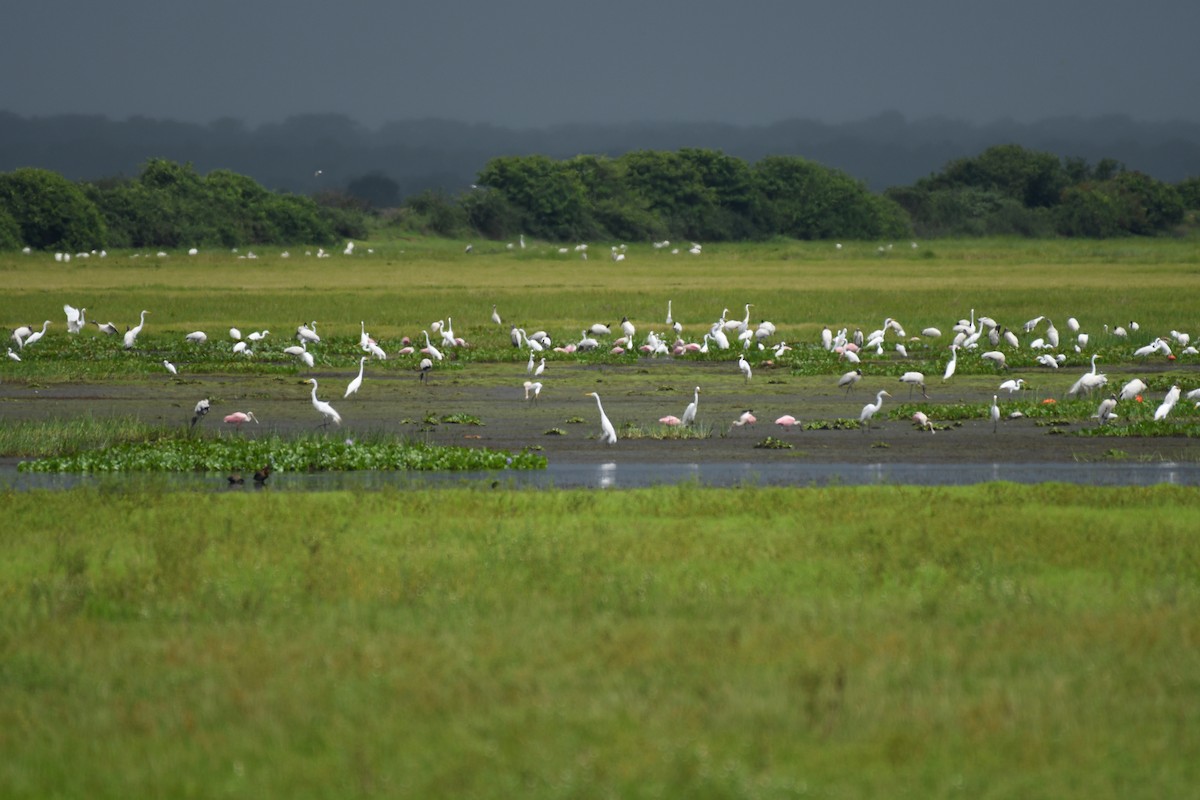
(638, 475)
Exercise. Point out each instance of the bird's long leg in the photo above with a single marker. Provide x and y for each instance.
(923, 392)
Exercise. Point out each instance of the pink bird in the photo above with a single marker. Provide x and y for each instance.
(238, 417)
(787, 421)
(617, 351)
(407, 350)
(922, 420)
(747, 418)
(671, 420)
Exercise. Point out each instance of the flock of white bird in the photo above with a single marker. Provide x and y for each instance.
(981, 337)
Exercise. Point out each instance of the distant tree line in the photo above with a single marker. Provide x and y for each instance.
(642, 195)
(167, 205)
(1010, 190)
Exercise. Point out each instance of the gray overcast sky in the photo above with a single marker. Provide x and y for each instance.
(538, 62)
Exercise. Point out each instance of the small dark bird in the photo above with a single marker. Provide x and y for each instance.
(236, 479)
(261, 475)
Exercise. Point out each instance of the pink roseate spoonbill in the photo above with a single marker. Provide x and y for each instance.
(787, 421)
(671, 420)
(237, 418)
(323, 408)
(747, 418)
(533, 390)
(922, 420)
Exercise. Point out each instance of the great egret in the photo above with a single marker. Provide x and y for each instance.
(669, 320)
(1168, 403)
(1089, 381)
(235, 334)
(995, 412)
(307, 333)
(357, 382)
(608, 434)
(132, 334)
(952, 364)
(13, 356)
(1012, 386)
(871, 409)
(36, 335)
(258, 336)
(430, 350)
(914, 379)
(496, 315)
(324, 408)
(75, 318)
(689, 413)
(197, 337)
(744, 366)
(238, 417)
(170, 367)
(849, 380)
(1135, 387)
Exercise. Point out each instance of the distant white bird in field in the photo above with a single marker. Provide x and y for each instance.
(995, 413)
(744, 366)
(922, 420)
(849, 379)
(952, 364)
(914, 379)
(13, 356)
(689, 413)
(608, 434)
(36, 336)
(354, 385)
(533, 390)
(1105, 412)
(1012, 386)
(1131, 390)
(197, 337)
(323, 408)
(132, 334)
(75, 318)
(170, 367)
(871, 409)
(1168, 403)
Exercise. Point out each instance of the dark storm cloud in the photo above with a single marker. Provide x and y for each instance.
(534, 63)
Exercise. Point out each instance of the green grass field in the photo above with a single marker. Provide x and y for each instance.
(989, 641)
(994, 641)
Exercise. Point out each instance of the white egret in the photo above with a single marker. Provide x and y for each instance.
(20, 334)
(170, 367)
(324, 408)
(669, 320)
(496, 315)
(132, 334)
(197, 337)
(532, 390)
(357, 382)
(952, 364)
(608, 434)
(996, 357)
(430, 350)
(35, 336)
(75, 318)
(871, 409)
(1168, 403)
(744, 366)
(541, 367)
(13, 356)
(689, 413)
(995, 412)
(235, 334)
(1012, 386)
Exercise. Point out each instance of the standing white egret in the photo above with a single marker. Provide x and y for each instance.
(744, 366)
(496, 315)
(533, 390)
(1012, 386)
(235, 334)
(608, 434)
(871, 409)
(357, 382)
(689, 413)
(432, 351)
(995, 412)
(952, 364)
(170, 367)
(13, 356)
(669, 320)
(324, 408)
(1089, 381)
(541, 367)
(132, 334)
(35, 337)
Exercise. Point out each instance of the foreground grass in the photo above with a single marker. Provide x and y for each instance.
(992, 641)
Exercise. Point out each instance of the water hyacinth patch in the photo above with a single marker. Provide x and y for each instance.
(306, 454)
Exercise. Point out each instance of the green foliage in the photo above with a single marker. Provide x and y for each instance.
(305, 454)
(10, 231)
(171, 205)
(51, 212)
(1189, 193)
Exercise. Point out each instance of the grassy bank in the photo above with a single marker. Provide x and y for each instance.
(996, 641)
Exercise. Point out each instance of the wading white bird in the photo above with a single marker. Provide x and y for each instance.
(952, 364)
(170, 367)
(1012, 386)
(324, 408)
(532, 390)
(689, 413)
(995, 412)
(197, 337)
(36, 336)
(1135, 387)
(357, 382)
(608, 434)
(13, 356)
(744, 366)
(1168, 403)
(202, 408)
(1089, 381)
(20, 334)
(107, 328)
(430, 350)
(540, 368)
(914, 379)
(496, 316)
(75, 321)
(132, 334)
(871, 409)
(849, 380)
(1105, 412)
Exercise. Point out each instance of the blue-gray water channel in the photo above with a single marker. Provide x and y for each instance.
(614, 475)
